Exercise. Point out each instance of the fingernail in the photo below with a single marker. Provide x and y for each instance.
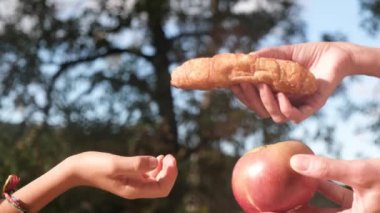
(300, 163)
(153, 162)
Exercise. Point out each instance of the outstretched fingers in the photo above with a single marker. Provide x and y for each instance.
(350, 172)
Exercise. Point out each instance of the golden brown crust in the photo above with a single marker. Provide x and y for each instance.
(224, 70)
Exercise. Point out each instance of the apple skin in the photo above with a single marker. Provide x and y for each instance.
(263, 181)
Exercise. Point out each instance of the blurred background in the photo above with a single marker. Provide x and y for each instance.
(79, 75)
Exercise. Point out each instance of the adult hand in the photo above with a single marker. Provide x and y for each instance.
(361, 175)
(328, 61)
(128, 177)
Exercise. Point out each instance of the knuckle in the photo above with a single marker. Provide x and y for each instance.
(112, 166)
(138, 163)
(322, 168)
(359, 177)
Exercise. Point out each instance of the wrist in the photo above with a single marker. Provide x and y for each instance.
(349, 63)
(364, 60)
(78, 169)
(38, 193)
(70, 172)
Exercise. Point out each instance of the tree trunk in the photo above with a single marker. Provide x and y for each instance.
(163, 94)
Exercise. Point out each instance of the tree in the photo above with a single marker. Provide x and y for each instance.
(371, 15)
(371, 23)
(96, 75)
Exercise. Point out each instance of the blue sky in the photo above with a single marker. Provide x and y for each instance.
(321, 16)
(335, 16)
(344, 16)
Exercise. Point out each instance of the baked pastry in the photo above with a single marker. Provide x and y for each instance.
(224, 70)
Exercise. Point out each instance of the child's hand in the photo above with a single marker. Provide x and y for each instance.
(128, 177)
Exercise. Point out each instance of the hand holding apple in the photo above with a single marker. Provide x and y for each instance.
(361, 175)
(263, 180)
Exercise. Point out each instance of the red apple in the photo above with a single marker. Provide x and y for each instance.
(263, 181)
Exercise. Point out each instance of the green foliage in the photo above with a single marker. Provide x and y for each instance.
(96, 76)
(371, 15)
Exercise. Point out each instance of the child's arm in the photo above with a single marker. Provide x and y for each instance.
(127, 177)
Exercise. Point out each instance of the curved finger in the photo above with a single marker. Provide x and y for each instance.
(336, 193)
(253, 100)
(249, 100)
(153, 188)
(167, 176)
(291, 112)
(314, 209)
(346, 211)
(169, 168)
(238, 92)
(270, 103)
(158, 168)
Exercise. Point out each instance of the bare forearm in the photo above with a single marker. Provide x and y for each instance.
(365, 60)
(44, 189)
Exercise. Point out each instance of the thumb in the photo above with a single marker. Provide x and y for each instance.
(137, 163)
(281, 52)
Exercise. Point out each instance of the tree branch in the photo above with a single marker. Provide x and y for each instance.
(64, 66)
(189, 34)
